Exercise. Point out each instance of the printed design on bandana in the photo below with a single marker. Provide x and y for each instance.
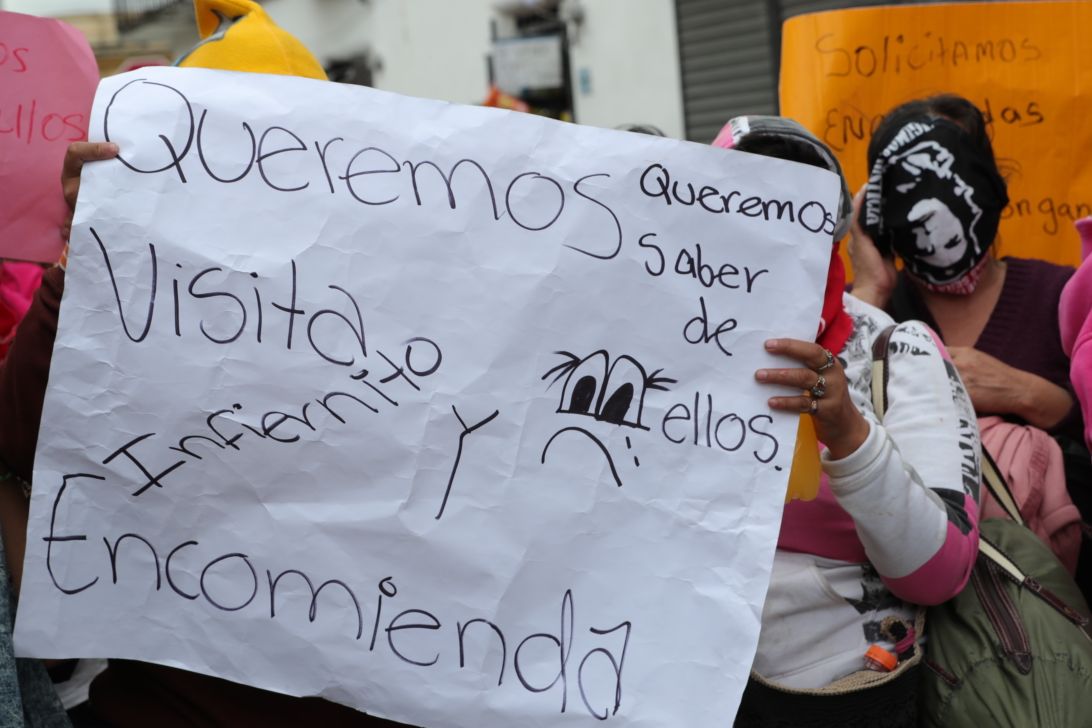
(874, 187)
(968, 433)
(933, 200)
(940, 235)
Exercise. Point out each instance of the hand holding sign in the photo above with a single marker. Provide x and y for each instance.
(47, 80)
(78, 154)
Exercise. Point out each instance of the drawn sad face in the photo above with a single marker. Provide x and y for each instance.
(609, 392)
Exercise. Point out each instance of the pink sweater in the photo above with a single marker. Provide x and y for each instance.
(906, 499)
(18, 282)
(1075, 327)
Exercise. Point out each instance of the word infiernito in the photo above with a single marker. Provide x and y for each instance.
(225, 428)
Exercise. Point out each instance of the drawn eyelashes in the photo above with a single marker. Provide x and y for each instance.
(609, 392)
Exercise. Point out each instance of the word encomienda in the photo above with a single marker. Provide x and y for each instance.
(230, 583)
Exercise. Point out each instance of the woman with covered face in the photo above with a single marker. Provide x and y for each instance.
(934, 199)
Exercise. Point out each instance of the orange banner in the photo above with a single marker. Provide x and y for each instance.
(1024, 64)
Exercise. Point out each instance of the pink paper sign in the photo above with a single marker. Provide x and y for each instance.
(48, 76)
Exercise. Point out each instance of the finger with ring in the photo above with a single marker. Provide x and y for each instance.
(828, 363)
(819, 388)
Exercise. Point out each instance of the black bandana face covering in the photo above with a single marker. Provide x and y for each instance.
(934, 200)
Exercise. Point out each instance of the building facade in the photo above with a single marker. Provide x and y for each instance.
(684, 66)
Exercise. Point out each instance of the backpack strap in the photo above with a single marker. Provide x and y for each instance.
(998, 488)
(1009, 568)
(991, 475)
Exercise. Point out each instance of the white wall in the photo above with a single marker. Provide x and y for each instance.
(329, 28)
(56, 7)
(433, 48)
(629, 51)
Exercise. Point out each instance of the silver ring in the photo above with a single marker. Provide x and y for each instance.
(814, 406)
(828, 363)
(819, 388)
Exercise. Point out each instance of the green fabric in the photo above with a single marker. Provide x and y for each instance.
(990, 690)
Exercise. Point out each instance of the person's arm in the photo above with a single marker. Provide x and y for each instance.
(874, 275)
(78, 154)
(838, 423)
(999, 389)
(25, 371)
(912, 486)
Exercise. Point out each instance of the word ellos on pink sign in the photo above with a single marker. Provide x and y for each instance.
(48, 76)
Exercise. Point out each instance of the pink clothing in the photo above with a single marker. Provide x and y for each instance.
(1032, 464)
(1084, 229)
(926, 443)
(1075, 327)
(895, 523)
(823, 528)
(18, 282)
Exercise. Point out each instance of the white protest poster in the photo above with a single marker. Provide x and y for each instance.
(444, 413)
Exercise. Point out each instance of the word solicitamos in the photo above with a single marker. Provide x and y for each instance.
(908, 52)
(374, 176)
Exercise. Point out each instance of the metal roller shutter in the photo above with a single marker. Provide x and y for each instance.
(729, 52)
(789, 8)
(726, 62)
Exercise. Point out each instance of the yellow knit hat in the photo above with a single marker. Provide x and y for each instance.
(239, 36)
